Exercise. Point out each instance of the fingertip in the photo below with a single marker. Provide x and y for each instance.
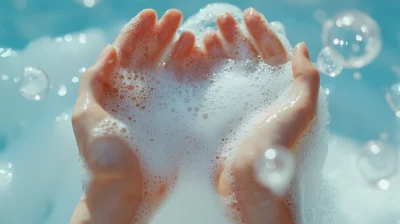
(150, 15)
(301, 63)
(302, 48)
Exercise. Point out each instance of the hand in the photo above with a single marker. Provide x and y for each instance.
(257, 203)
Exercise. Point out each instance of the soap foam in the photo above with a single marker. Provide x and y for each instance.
(189, 129)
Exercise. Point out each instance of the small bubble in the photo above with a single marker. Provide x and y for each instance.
(4, 77)
(357, 76)
(275, 169)
(383, 184)
(65, 116)
(68, 38)
(6, 176)
(82, 38)
(62, 90)
(75, 79)
(35, 83)
(17, 79)
(59, 40)
(377, 161)
(82, 70)
(326, 64)
(393, 98)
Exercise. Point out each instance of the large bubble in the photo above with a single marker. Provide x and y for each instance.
(35, 83)
(275, 169)
(377, 161)
(354, 38)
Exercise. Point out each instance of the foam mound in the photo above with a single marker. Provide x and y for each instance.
(179, 127)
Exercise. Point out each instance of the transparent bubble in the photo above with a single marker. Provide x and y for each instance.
(275, 169)
(62, 91)
(377, 161)
(354, 38)
(326, 64)
(34, 84)
(6, 176)
(393, 98)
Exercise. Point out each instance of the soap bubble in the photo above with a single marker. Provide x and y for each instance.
(35, 83)
(6, 176)
(326, 64)
(377, 161)
(393, 98)
(275, 169)
(354, 38)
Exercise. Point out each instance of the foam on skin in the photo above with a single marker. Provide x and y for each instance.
(187, 130)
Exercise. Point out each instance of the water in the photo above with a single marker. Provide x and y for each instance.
(358, 109)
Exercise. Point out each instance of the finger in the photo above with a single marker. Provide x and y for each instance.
(99, 75)
(267, 41)
(307, 79)
(229, 28)
(213, 45)
(166, 30)
(132, 32)
(231, 32)
(88, 110)
(183, 46)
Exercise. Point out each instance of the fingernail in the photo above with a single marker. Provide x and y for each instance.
(104, 52)
(302, 48)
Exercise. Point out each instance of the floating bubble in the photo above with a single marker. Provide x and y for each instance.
(393, 98)
(82, 39)
(34, 84)
(275, 169)
(354, 38)
(62, 91)
(383, 184)
(4, 77)
(357, 75)
(68, 38)
(6, 176)
(377, 161)
(326, 64)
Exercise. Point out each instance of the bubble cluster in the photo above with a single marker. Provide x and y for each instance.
(326, 64)
(377, 161)
(35, 84)
(275, 169)
(354, 38)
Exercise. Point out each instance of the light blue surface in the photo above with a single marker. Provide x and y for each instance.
(358, 108)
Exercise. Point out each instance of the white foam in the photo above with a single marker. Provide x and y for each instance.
(178, 125)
